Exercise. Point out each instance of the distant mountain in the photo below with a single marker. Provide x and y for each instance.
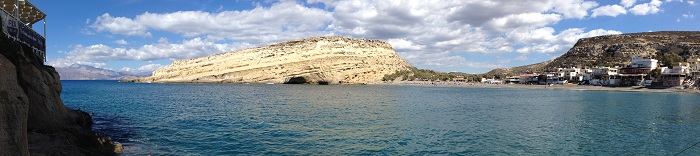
(86, 72)
(616, 50)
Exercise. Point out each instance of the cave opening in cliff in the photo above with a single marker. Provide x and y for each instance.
(303, 80)
(297, 80)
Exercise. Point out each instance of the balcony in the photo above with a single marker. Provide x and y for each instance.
(18, 17)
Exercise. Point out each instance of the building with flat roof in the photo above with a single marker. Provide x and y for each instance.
(17, 20)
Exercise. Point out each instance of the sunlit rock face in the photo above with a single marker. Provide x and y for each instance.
(316, 60)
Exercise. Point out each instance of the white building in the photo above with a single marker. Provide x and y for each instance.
(571, 74)
(644, 62)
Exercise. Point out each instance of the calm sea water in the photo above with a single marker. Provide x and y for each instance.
(230, 119)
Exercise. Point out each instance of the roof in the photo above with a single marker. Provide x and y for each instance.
(28, 13)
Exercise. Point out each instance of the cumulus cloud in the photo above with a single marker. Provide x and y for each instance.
(187, 49)
(145, 69)
(426, 33)
(609, 10)
(281, 21)
(403, 44)
(121, 42)
(652, 7)
(119, 25)
(628, 3)
(98, 55)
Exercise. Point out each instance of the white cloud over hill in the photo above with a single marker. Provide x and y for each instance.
(426, 33)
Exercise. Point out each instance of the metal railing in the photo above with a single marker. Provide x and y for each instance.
(21, 33)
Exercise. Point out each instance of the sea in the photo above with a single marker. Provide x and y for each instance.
(262, 119)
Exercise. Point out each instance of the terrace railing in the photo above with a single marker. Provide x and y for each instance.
(21, 33)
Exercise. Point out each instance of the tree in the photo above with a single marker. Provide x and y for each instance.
(669, 59)
(655, 73)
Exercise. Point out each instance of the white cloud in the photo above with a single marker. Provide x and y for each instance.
(609, 10)
(426, 33)
(121, 42)
(628, 3)
(280, 22)
(688, 15)
(187, 49)
(65, 62)
(574, 8)
(145, 69)
(691, 2)
(652, 7)
(511, 22)
(119, 25)
(403, 44)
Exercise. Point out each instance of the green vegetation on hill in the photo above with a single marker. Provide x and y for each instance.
(669, 59)
(415, 74)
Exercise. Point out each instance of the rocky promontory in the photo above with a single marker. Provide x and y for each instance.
(617, 50)
(33, 119)
(316, 60)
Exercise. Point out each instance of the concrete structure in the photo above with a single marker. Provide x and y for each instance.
(644, 62)
(528, 78)
(694, 65)
(572, 74)
(512, 79)
(18, 18)
(675, 76)
(459, 79)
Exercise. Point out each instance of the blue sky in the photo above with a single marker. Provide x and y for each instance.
(472, 36)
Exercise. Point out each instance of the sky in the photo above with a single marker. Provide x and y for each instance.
(470, 36)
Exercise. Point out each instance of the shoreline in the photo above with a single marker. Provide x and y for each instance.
(547, 87)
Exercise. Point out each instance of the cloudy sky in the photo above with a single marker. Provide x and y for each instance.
(472, 36)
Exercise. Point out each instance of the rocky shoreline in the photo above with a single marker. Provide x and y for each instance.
(34, 119)
(547, 87)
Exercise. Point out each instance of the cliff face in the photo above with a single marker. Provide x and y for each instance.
(33, 119)
(329, 60)
(617, 50)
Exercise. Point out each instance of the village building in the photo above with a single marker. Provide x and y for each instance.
(637, 73)
(572, 74)
(512, 79)
(528, 78)
(675, 76)
(694, 65)
(604, 76)
(459, 78)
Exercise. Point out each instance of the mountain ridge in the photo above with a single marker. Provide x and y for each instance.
(615, 50)
(87, 72)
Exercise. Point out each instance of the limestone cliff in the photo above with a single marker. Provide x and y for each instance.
(33, 119)
(329, 60)
(613, 50)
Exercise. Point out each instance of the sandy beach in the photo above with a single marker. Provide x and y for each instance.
(550, 87)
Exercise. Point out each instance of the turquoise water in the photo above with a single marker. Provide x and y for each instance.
(231, 119)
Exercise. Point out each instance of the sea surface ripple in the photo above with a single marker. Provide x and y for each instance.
(240, 119)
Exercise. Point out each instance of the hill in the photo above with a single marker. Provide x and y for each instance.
(316, 60)
(617, 50)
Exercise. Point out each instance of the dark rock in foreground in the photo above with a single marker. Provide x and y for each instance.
(33, 118)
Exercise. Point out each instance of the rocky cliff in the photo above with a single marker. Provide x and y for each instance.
(611, 50)
(33, 119)
(321, 60)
